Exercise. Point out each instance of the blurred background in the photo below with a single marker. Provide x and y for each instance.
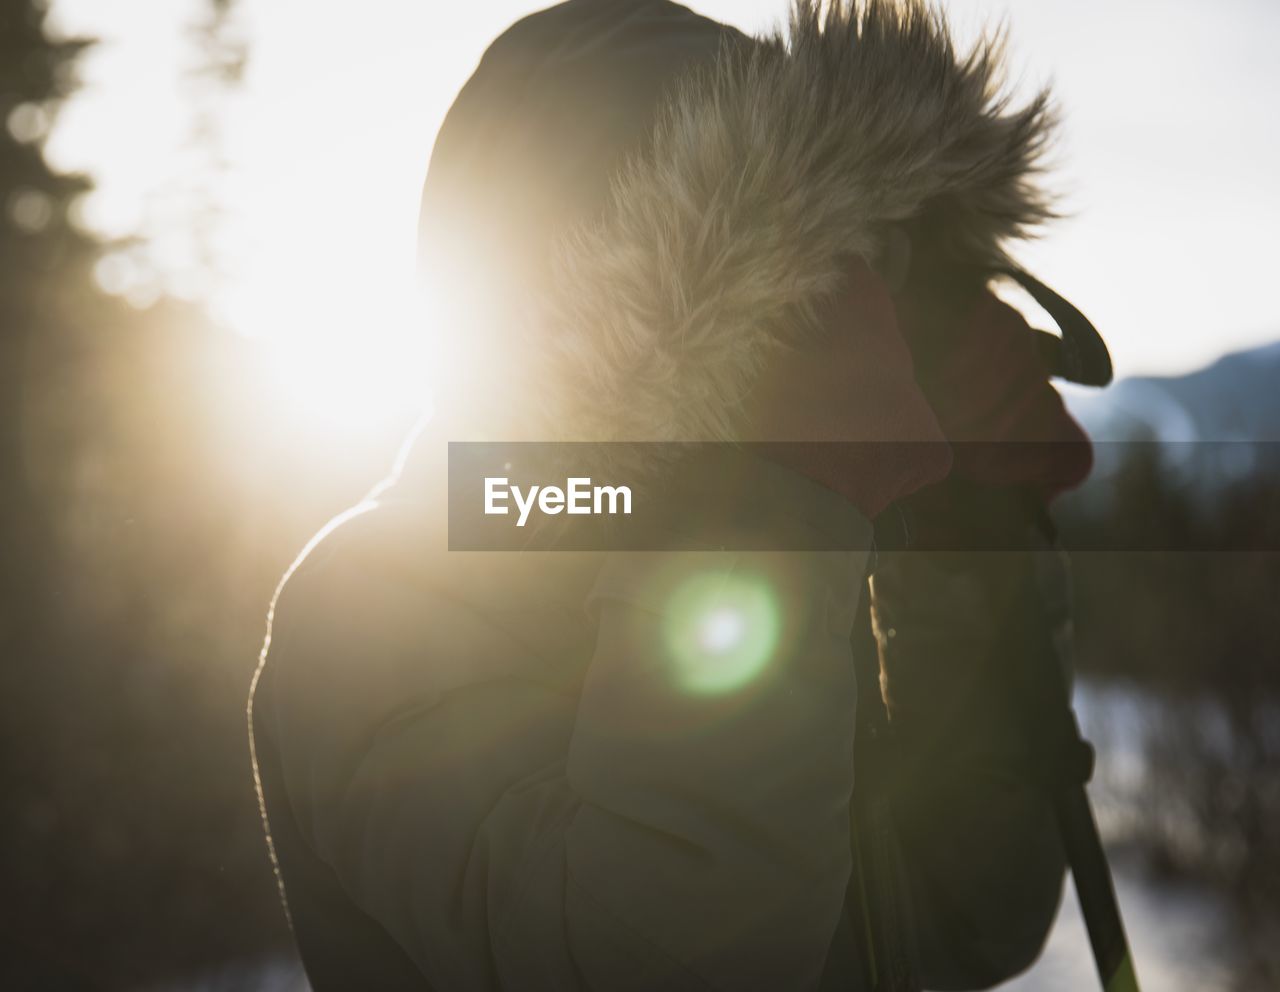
(210, 342)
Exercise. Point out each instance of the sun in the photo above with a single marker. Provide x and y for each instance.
(335, 362)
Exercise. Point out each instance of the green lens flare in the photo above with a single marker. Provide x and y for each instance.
(721, 631)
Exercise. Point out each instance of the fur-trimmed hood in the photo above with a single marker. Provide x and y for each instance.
(723, 239)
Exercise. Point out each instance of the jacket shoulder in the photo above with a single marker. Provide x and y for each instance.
(365, 624)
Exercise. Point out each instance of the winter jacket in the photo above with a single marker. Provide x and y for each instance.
(496, 771)
(513, 772)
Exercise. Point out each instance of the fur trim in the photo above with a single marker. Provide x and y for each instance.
(723, 239)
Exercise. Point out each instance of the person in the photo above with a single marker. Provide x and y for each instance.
(527, 770)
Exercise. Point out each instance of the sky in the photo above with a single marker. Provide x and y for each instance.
(1168, 165)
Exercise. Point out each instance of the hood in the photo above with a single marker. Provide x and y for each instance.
(768, 167)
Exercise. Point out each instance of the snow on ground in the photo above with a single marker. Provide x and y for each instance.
(1177, 933)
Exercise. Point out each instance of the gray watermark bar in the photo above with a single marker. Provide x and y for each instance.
(576, 496)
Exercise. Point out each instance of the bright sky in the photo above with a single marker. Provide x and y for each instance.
(1171, 154)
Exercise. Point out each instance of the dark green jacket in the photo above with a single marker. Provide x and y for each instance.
(488, 771)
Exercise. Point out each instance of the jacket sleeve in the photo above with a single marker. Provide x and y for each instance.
(959, 633)
(681, 825)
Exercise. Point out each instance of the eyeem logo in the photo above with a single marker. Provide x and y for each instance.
(579, 497)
